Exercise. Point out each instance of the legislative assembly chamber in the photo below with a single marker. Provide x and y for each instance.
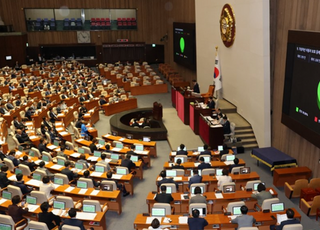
(159, 114)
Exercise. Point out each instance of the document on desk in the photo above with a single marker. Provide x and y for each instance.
(93, 158)
(58, 123)
(69, 189)
(2, 200)
(79, 140)
(229, 162)
(232, 217)
(63, 133)
(196, 153)
(219, 195)
(51, 147)
(59, 129)
(96, 174)
(75, 155)
(32, 207)
(86, 215)
(33, 182)
(176, 178)
(83, 191)
(121, 139)
(57, 167)
(173, 153)
(57, 211)
(56, 186)
(13, 178)
(107, 135)
(196, 164)
(150, 219)
(183, 220)
(33, 137)
(116, 176)
(281, 217)
(95, 192)
(142, 152)
(116, 149)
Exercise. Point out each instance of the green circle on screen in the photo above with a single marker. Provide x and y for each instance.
(182, 44)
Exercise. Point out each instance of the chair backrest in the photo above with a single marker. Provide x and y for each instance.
(40, 172)
(25, 169)
(86, 149)
(41, 196)
(234, 204)
(14, 190)
(248, 228)
(93, 202)
(6, 219)
(180, 172)
(9, 163)
(251, 183)
(37, 225)
(16, 142)
(89, 181)
(208, 171)
(44, 153)
(109, 182)
(36, 152)
(172, 186)
(293, 227)
(201, 185)
(70, 145)
(68, 200)
(63, 176)
(185, 158)
(314, 183)
(298, 185)
(69, 227)
(236, 169)
(198, 206)
(163, 205)
(102, 165)
(315, 204)
(232, 127)
(48, 137)
(266, 204)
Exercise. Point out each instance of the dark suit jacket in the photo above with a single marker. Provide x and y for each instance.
(204, 166)
(42, 148)
(102, 102)
(128, 163)
(73, 222)
(196, 88)
(182, 152)
(32, 166)
(22, 186)
(48, 218)
(195, 179)
(197, 223)
(283, 223)
(206, 152)
(178, 167)
(226, 127)
(211, 104)
(4, 182)
(16, 212)
(93, 147)
(167, 180)
(68, 172)
(53, 117)
(18, 124)
(2, 111)
(163, 198)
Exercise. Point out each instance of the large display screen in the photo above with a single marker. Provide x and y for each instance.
(184, 44)
(301, 97)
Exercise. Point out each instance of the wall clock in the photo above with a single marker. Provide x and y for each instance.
(227, 25)
(83, 36)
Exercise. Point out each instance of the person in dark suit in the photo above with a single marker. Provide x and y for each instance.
(42, 103)
(52, 115)
(29, 113)
(50, 219)
(196, 223)
(83, 110)
(196, 178)
(2, 155)
(163, 174)
(290, 220)
(46, 122)
(121, 187)
(163, 197)
(20, 183)
(226, 126)
(86, 174)
(128, 163)
(72, 221)
(178, 165)
(32, 166)
(262, 194)
(244, 220)
(68, 172)
(102, 100)
(93, 146)
(17, 124)
(23, 138)
(135, 123)
(236, 164)
(203, 165)
(4, 181)
(196, 88)
(3, 110)
(13, 158)
(206, 151)
(181, 150)
(23, 83)
(211, 104)
(82, 98)
(16, 210)
(43, 146)
(224, 151)
(18, 101)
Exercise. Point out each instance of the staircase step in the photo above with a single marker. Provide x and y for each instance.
(243, 131)
(250, 146)
(243, 127)
(245, 136)
(249, 141)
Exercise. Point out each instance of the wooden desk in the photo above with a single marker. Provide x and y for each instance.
(211, 135)
(149, 89)
(290, 175)
(91, 104)
(193, 155)
(121, 106)
(92, 116)
(195, 112)
(70, 101)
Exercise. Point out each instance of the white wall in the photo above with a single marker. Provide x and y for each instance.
(245, 66)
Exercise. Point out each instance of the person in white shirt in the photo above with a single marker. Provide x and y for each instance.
(225, 178)
(46, 186)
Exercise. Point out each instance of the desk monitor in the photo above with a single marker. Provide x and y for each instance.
(139, 147)
(129, 136)
(59, 204)
(6, 195)
(89, 208)
(183, 159)
(101, 142)
(45, 158)
(99, 168)
(169, 190)
(171, 173)
(245, 170)
(17, 170)
(134, 158)
(104, 81)
(78, 165)
(193, 188)
(229, 188)
(200, 149)
(31, 200)
(220, 147)
(81, 150)
(31, 153)
(199, 172)
(58, 181)
(218, 172)
(121, 171)
(60, 162)
(119, 145)
(236, 210)
(97, 153)
(207, 159)
(82, 184)
(202, 211)
(161, 212)
(106, 187)
(277, 207)
(255, 186)
(5, 227)
(114, 156)
(230, 157)
(36, 176)
(20, 148)
(184, 149)
(56, 143)
(114, 133)
(146, 139)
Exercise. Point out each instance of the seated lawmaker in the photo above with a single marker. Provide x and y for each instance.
(203, 165)
(128, 163)
(225, 178)
(164, 179)
(290, 220)
(120, 186)
(50, 219)
(244, 220)
(102, 100)
(178, 165)
(196, 178)
(211, 103)
(262, 194)
(68, 172)
(206, 151)
(86, 174)
(196, 223)
(198, 197)
(181, 150)
(163, 197)
(73, 221)
(16, 210)
(20, 183)
(235, 164)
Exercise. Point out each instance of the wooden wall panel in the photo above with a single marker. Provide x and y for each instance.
(291, 15)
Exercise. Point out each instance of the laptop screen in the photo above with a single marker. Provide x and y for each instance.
(146, 139)
(56, 143)
(81, 150)
(158, 212)
(236, 210)
(114, 156)
(20, 148)
(16, 171)
(58, 181)
(230, 157)
(245, 170)
(134, 158)
(229, 188)
(182, 159)
(169, 190)
(45, 158)
(31, 153)
(185, 148)
(119, 145)
(171, 173)
(121, 171)
(5, 227)
(59, 205)
(255, 186)
(89, 208)
(82, 184)
(101, 142)
(99, 168)
(97, 153)
(193, 188)
(139, 147)
(277, 207)
(31, 200)
(6, 195)
(202, 211)
(78, 165)
(207, 159)
(36, 176)
(199, 172)
(218, 172)
(200, 149)
(60, 161)
(220, 147)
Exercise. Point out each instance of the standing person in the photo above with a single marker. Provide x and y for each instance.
(196, 88)
(226, 126)
(244, 220)
(196, 223)
(50, 219)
